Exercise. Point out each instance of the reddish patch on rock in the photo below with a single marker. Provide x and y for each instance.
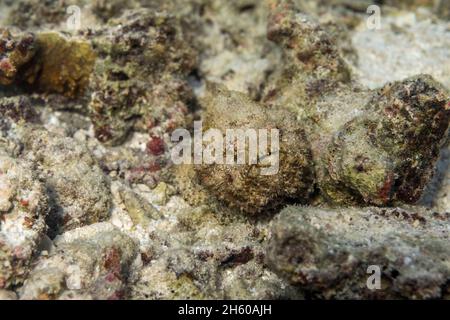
(385, 191)
(111, 262)
(5, 65)
(155, 146)
(103, 134)
(117, 295)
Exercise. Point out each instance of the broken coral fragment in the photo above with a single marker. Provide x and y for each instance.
(93, 261)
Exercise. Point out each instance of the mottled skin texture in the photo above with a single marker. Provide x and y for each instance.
(326, 252)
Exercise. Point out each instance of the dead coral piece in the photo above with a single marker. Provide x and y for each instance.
(327, 252)
(140, 78)
(65, 65)
(46, 62)
(78, 189)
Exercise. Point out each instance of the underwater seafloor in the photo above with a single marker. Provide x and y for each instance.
(93, 207)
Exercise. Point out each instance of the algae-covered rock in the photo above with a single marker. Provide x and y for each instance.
(79, 190)
(312, 65)
(327, 252)
(65, 64)
(387, 153)
(375, 147)
(94, 205)
(45, 62)
(140, 77)
(16, 51)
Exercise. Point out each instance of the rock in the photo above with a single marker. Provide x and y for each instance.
(140, 77)
(327, 252)
(92, 261)
(7, 295)
(78, 190)
(202, 257)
